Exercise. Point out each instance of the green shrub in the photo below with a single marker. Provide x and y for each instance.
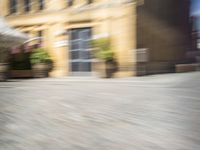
(20, 61)
(102, 49)
(40, 55)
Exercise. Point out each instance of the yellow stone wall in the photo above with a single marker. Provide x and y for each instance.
(118, 22)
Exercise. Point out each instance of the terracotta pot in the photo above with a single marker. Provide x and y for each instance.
(40, 70)
(3, 71)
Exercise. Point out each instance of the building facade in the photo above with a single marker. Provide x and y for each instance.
(67, 27)
(163, 27)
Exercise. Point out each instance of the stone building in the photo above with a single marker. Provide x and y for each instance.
(148, 36)
(67, 26)
(164, 28)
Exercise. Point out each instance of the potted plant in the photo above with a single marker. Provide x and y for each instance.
(41, 63)
(20, 65)
(4, 64)
(103, 51)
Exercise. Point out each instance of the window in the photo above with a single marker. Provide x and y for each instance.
(27, 33)
(13, 6)
(69, 3)
(27, 5)
(41, 4)
(39, 34)
(89, 1)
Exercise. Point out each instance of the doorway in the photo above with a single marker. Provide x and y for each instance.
(79, 50)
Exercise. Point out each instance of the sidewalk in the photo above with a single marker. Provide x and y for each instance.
(150, 78)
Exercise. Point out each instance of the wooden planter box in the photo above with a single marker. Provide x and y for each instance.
(21, 74)
(105, 70)
(3, 72)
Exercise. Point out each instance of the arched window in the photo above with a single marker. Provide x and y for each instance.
(13, 6)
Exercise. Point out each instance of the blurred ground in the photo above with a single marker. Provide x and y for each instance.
(158, 112)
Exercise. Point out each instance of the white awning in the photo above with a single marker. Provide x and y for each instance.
(9, 37)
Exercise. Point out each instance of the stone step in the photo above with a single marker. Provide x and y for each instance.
(187, 67)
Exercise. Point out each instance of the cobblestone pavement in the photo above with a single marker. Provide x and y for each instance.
(149, 113)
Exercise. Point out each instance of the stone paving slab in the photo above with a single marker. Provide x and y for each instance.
(61, 115)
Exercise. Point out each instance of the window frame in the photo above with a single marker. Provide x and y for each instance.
(27, 5)
(13, 6)
(41, 4)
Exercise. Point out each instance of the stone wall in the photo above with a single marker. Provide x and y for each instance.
(163, 27)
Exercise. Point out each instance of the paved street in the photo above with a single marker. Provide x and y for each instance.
(160, 112)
